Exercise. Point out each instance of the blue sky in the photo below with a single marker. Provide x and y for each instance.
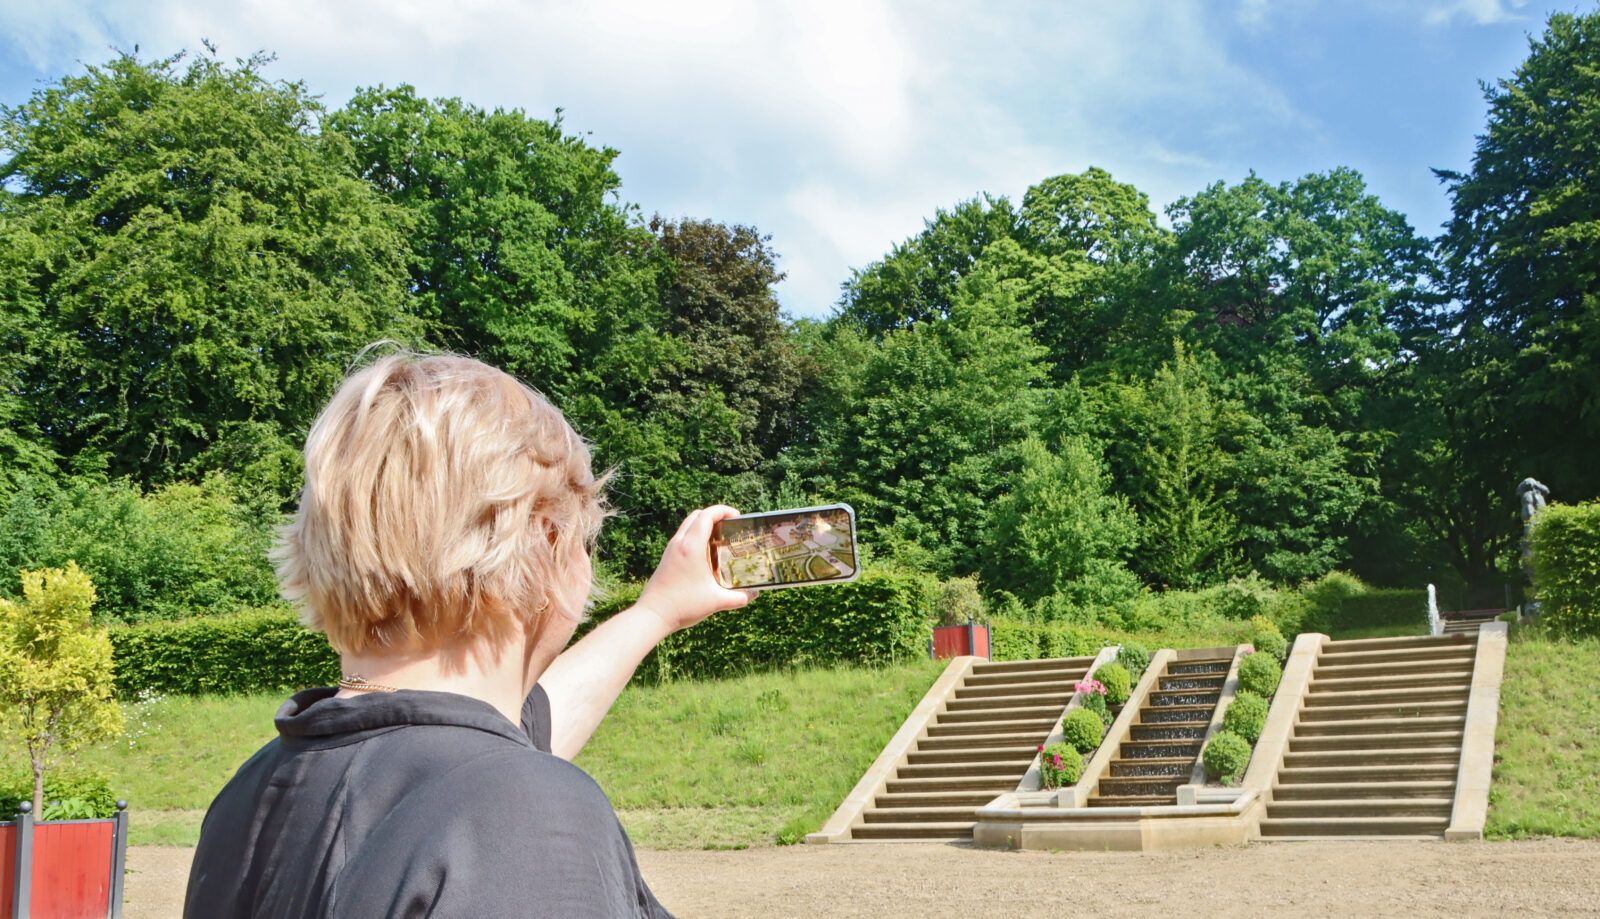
(837, 127)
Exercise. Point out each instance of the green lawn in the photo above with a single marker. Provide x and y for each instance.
(1547, 747)
(719, 764)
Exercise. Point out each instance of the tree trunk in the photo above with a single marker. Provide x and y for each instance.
(38, 788)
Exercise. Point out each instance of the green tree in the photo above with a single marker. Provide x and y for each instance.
(55, 669)
(196, 259)
(1058, 532)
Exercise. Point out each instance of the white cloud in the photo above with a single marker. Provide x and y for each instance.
(835, 126)
(1479, 12)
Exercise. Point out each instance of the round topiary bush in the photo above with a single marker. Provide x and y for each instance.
(1246, 716)
(1266, 638)
(1096, 702)
(1226, 756)
(1260, 673)
(1118, 684)
(1135, 657)
(1083, 729)
(1060, 765)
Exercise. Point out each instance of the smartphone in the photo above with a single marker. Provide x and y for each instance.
(793, 548)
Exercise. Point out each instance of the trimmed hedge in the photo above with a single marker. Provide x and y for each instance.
(1259, 673)
(1135, 657)
(1266, 638)
(1059, 766)
(1013, 640)
(1246, 716)
(259, 651)
(878, 619)
(1115, 678)
(1566, 568)
(1082, 730)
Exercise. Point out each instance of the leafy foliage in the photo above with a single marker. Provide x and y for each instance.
(1266, 638)
(1135, 657)
(1116, 679)
(1259, 673)
(55, 669)
(1566, 568)
(1060, 765)
(1226, 756)
(1082, 729)
(1246, 716)
(252, 651)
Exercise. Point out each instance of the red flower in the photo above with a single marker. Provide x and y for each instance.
(1041, 748)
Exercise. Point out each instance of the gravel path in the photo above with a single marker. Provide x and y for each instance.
(1536, 878)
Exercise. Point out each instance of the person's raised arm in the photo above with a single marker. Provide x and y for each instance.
(587, 678)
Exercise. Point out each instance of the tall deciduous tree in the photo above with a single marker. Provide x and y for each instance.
(197, 261)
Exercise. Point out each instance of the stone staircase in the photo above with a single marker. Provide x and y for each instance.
(1466, 622)
(1377, 746)
(1165, 741)
(980, 746)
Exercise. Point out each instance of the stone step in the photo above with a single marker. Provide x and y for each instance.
(969, 799)
(1037, 727)
(1341, 671)
(1056, 701)
(1030, 740)
(1354, 742)
(1397, 655)
(1145, 749)
(1023, 713)
(1055, 688)
(1396, 772)
(1191, 681)
(1399, 641)
(1141, 785)
(1168, 732)
(987, 668)
(1379, 726)
(1342, 791)
(918, 814)
(1210, 665)
(994, 785)
(1354, 826)
(957, 829)
(1317, 698)
(920, 757)
(1132, 800)
(1363, 807)
(1165, 767)
(1380, 757)
(1033, 676)
(1011, 767)
(1385, 710)
(1176, 714)
(1397, 681)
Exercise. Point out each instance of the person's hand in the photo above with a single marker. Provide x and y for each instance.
(683, 589)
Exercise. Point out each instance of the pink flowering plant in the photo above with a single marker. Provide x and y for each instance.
(1092, 696)
(1059, 766)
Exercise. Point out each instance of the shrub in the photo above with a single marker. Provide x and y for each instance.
(1379, 608)
(1246, 716)
(1226, 757)
(1014, 640)
(960, 602)
(1092, 696)
(1060, 765)
(258, 651)
(1134, 657)
(1115, 678)
(1325, 598)
(1260, 673)
(1083, 728)
(1267, 639)
(1566, 568)
(68, 795)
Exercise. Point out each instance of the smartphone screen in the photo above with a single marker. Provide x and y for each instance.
(793, 548)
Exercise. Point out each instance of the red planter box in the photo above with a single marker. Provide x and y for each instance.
(62, 869)
(956, 640)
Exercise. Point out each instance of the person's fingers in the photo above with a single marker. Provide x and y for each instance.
(687, 521)
(707, 517)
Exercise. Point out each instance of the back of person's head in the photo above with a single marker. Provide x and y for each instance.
(444, 501)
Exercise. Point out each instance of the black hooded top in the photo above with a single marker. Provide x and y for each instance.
(410, 804)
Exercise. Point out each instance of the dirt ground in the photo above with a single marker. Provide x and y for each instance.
(1537, 878)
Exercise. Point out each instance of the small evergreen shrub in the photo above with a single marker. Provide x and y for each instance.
(1083, 729)
(1246, 716)
(1325, 598)
(1060, 765)
(1134, 657)
(960, 602)
(1226, 757)
(1566, 568)
(1267, 639)
(1260, 673)
(1114, 677)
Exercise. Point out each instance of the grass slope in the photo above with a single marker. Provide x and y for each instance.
(720, 764)
(1547, 745)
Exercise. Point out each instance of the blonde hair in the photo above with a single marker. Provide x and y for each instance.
(443, 501)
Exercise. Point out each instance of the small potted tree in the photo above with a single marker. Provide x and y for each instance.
(960, 629)
(56, 694)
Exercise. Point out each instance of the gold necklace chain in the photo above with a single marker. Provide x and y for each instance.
(360, 683)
